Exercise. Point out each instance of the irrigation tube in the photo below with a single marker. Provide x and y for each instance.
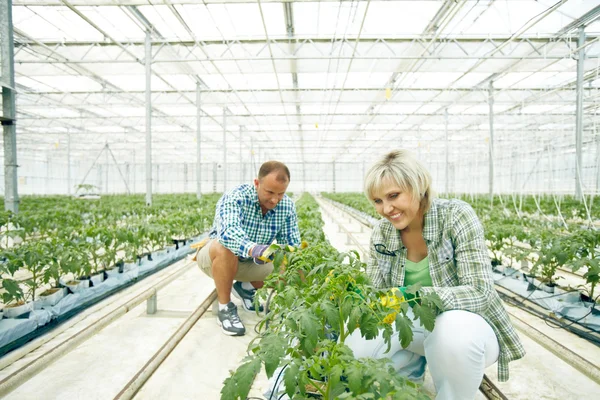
(152, 365)
(17, 378)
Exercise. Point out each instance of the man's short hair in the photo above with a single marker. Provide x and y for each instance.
(283, 173)
(406, 171)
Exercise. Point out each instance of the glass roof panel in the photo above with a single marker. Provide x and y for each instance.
(115, 22)
(326, 19)
(53, 23)
(165, 22)
(398, 18)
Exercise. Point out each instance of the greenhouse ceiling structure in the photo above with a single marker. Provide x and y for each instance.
(308, 82)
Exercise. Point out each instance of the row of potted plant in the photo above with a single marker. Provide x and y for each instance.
(75, 246)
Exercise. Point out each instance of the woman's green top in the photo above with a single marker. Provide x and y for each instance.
(417, 272)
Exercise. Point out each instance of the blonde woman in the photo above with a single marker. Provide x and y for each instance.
(440, 244)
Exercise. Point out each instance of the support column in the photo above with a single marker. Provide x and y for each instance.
(11, 196)
(224, 149)
(240, 159)
(185, 177)
(333, 177)
(106, 172)
(491, 142)
(597, 164)
(152, 304)
(127, 173)
(303, 176)
(447, 151)
(133, 167)
(47, 180)
(69, 163)
(579, 115)
(148, 121)
(214, 177)
(198, 142)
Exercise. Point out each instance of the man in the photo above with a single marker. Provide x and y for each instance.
(248, 219)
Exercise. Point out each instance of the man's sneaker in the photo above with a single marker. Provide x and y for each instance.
(230, 322)
(246, 296)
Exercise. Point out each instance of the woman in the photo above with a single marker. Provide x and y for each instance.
(440, 244)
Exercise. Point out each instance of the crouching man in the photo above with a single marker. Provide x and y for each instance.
(248, 218)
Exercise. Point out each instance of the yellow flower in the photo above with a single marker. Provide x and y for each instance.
(390, 318)
(304, 244)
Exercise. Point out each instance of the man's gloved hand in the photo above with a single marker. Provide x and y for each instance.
(260, 254)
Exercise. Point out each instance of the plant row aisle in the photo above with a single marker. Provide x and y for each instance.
(545, 247)
(318, 300)
(59, 255)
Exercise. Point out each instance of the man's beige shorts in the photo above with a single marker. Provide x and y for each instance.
(248, 271)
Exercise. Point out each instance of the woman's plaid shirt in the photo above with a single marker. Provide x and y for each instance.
(239, 223)
(459, 265)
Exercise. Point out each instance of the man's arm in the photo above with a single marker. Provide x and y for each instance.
(290, 233)
(230, 232)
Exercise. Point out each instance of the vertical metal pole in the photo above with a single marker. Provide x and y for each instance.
(106, 173)
(597, 164)
(579, 114)
(214, 177)
(224, 149)
(133, 167)
(252, 155)
(491, 142)
(148, 121)
(303, 176)
(185, 177)
(550, 171)
(447, 151)
(127, 172)
(198, 142)
(47, 180)
(240, 159)
(11, 196)
(333, 176)
(69, 163)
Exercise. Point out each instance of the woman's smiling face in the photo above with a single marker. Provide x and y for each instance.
(397, 205)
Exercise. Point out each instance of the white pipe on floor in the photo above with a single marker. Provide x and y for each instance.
(135, 384)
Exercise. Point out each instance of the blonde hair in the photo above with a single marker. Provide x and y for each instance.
(405, 170)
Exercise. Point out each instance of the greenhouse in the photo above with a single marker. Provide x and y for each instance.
(296, 199)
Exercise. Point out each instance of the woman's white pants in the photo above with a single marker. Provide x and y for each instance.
(460, 347)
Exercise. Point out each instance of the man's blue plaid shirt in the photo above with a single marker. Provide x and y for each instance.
(240, 225)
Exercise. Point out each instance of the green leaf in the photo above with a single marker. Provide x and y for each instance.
(354, 374)
(355, 316)
(278, 260)
(331, 313)
(426, 315)
(404, 329)
(289, 379)
(238, 385)
(368, 326)
(272, 349)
